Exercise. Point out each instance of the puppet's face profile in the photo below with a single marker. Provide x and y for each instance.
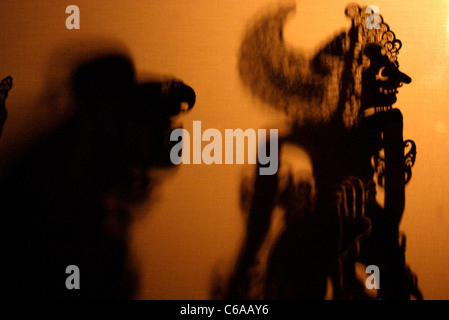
(139, 115)
(381, 80)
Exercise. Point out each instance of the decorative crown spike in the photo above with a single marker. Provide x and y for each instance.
(380, 34)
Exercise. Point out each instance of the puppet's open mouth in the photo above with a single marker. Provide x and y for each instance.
(388, 91)
(382, 101)
(177, 97)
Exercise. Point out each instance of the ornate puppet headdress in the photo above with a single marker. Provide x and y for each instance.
(380, 34)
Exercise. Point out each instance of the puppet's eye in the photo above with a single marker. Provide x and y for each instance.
(380, 76)
(185, 106)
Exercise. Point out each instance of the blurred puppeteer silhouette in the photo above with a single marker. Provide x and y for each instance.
(340, 104)
(67, 200)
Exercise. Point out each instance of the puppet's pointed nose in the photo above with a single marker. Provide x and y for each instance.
(183, 94)
(403, 78)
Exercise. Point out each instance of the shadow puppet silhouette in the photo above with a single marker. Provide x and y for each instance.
(5, 86)
(340, 104)
(67, 200)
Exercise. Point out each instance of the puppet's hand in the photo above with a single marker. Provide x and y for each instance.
(5, 86)
(350, 205)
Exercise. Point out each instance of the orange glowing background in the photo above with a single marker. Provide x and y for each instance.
(195, 227)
